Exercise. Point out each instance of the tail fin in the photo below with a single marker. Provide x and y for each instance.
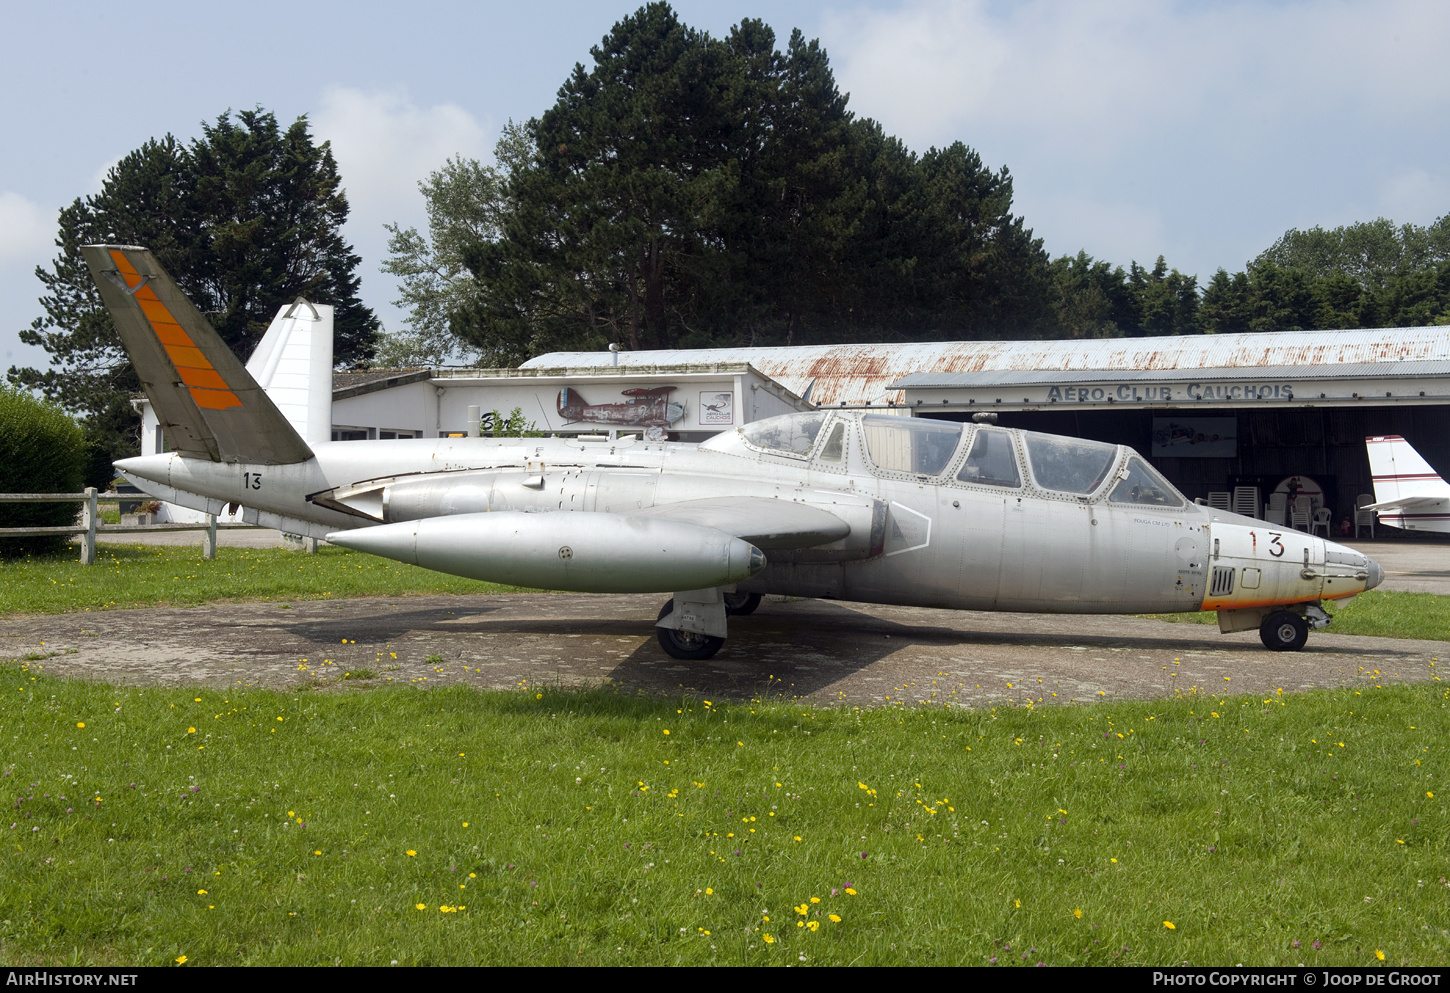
(293, 364)
(209, 405)
(1399, 472)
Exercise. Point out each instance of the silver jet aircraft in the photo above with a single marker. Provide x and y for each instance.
(833, 504)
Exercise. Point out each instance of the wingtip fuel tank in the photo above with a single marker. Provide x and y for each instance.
(582, 553)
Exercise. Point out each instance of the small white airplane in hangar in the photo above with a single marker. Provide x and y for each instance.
(832, 504)
(1408, 492)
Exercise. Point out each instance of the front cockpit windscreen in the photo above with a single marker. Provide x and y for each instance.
(991, 462)
(790, 434)
(910, 444)
(1143, 487)
(834, 450)
(1068, 465)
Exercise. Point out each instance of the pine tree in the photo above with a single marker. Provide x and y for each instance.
(689, 191)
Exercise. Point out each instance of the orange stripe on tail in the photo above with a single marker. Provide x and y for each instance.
(208, 389)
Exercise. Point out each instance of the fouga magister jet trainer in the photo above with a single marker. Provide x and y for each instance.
(872, 508)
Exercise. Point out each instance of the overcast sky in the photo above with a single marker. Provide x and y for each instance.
(1133, 129)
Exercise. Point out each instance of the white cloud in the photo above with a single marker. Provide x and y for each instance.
(1200, 131)
(27, 231)
(1096, 73)
(385, 144)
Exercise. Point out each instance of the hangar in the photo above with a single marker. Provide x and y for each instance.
(1250, 414)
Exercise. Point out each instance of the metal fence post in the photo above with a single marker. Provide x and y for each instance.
(208, 538)
(89, 517)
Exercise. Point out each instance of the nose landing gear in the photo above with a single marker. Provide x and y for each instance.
(1284, 631)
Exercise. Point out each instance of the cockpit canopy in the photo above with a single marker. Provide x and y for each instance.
(790, 434)
(996, 457)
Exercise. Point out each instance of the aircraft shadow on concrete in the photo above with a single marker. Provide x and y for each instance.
(798, 649)
(384, 625)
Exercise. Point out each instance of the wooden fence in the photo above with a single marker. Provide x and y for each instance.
(90, 524)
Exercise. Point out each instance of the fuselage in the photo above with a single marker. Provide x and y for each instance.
(957, 516)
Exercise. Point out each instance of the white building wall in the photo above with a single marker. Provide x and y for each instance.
(403, 408)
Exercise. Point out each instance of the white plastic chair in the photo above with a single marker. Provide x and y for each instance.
(1321, 520)
(1246, 501)
(1220, 500)
(1300, 513)
(1364, 518)
(1276, 509)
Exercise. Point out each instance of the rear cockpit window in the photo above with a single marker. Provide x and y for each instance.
(1069, 465)
(1143, 487)
(910, 444)
(791, 434)
(991, 461)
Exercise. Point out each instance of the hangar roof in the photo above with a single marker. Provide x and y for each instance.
(858, 374)
(1344, 370)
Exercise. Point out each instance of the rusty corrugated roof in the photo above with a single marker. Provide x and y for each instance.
(857, 374)
(1418, 369)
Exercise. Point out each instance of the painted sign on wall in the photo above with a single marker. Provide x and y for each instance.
(643, 408)
(716, 408)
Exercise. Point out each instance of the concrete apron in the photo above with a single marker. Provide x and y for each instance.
(827, 652)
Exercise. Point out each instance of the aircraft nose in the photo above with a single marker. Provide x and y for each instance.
(1376, 575)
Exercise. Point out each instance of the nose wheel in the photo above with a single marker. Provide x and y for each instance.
(1284, 631)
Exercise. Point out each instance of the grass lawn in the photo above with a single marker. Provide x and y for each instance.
(150, 575)
(367, 826)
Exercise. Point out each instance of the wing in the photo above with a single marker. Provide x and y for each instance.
(1411, 504)
(764, 523)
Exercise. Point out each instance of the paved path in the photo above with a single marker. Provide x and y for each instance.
(225, 538)
(827, 652)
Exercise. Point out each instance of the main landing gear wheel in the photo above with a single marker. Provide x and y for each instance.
(686, 644)
(1284, 631)
(740, 604)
